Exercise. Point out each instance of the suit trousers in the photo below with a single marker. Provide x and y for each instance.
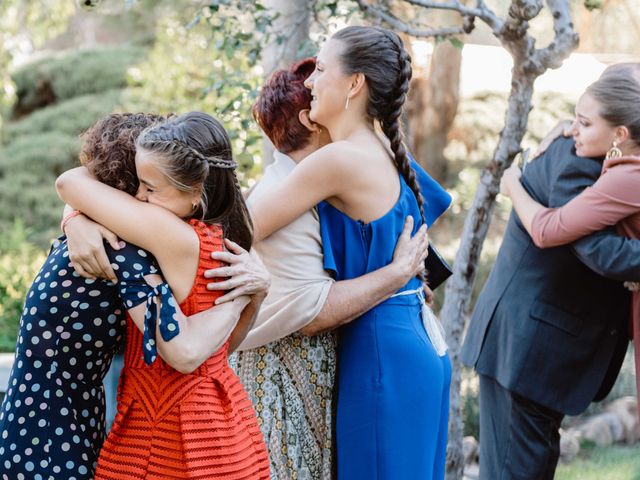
(519, 438)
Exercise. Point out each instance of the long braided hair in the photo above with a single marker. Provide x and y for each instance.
(380, 56)
(197, 152)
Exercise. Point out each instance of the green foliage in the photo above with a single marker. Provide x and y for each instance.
(202, 66)
(20, 261)
(238, 26)
(71, 74)
(592, 4)
(28, 168)
(330, 15)
(43, 144)
(69, 118)
(23, 26)
(456, 42)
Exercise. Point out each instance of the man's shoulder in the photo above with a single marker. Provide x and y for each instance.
(562, 158)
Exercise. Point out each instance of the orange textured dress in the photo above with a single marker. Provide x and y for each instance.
(175, 426)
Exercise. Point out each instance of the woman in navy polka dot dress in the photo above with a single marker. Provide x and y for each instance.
(52, 417)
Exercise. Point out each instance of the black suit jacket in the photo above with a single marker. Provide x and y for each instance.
(548, 325)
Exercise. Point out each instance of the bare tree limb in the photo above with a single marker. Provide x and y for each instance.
(402, 26)
(481, 10)
(565, 39)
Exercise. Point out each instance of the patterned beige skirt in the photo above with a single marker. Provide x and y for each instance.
(290, 383)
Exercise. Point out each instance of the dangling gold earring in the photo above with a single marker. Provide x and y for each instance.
(614, 152)
(346, 105)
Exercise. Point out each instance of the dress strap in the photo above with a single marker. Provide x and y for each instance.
(431, 324)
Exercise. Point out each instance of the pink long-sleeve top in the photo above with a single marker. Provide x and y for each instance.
(614, 199)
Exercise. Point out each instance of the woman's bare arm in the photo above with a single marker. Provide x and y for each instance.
(322, 175)
(85, 243)
(106, 205)
(609, 200)
(349, 299)
(201, 335)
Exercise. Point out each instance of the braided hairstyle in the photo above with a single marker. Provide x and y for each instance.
(196, 152)
(380, 56)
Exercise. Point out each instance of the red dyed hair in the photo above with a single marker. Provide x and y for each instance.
(280, 101)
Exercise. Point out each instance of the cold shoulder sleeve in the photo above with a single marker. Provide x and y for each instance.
(613, 197)
(131, 264)
(436, 199)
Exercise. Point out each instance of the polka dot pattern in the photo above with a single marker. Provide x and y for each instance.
(52, 417)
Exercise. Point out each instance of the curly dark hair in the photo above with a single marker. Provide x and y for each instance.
(109, 148)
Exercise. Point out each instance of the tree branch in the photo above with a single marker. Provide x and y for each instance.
(565, 40)
(481, 10)
(514, 29)
(404, 27)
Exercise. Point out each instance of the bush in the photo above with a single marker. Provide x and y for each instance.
(20, 261)
(70, 74)
(70, 117)
(28, 169)
(43, 154)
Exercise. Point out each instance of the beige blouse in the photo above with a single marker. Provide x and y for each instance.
(293, 256)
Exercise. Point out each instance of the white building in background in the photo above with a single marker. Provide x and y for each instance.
(488, 68)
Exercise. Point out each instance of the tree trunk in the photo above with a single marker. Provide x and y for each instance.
(431, 109)
(476, 225)
(288, 32)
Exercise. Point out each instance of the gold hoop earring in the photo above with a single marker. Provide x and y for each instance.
(346, 105)
(614, 152)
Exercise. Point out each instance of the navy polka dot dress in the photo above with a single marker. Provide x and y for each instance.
(52, 418)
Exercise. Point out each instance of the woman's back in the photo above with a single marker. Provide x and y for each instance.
(389, 422)
(353, 247)
(180, 426)
(372, 187)
(69, 331)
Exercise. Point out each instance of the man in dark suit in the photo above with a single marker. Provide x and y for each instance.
(549, 331)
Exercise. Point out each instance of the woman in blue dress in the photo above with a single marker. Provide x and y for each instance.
(393, 378)
(52, 417)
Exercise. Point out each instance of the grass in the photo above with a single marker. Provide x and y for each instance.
(596, 463)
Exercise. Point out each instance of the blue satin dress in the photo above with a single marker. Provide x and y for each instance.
(393, 388)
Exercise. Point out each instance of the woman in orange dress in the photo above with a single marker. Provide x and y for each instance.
(197, 422)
